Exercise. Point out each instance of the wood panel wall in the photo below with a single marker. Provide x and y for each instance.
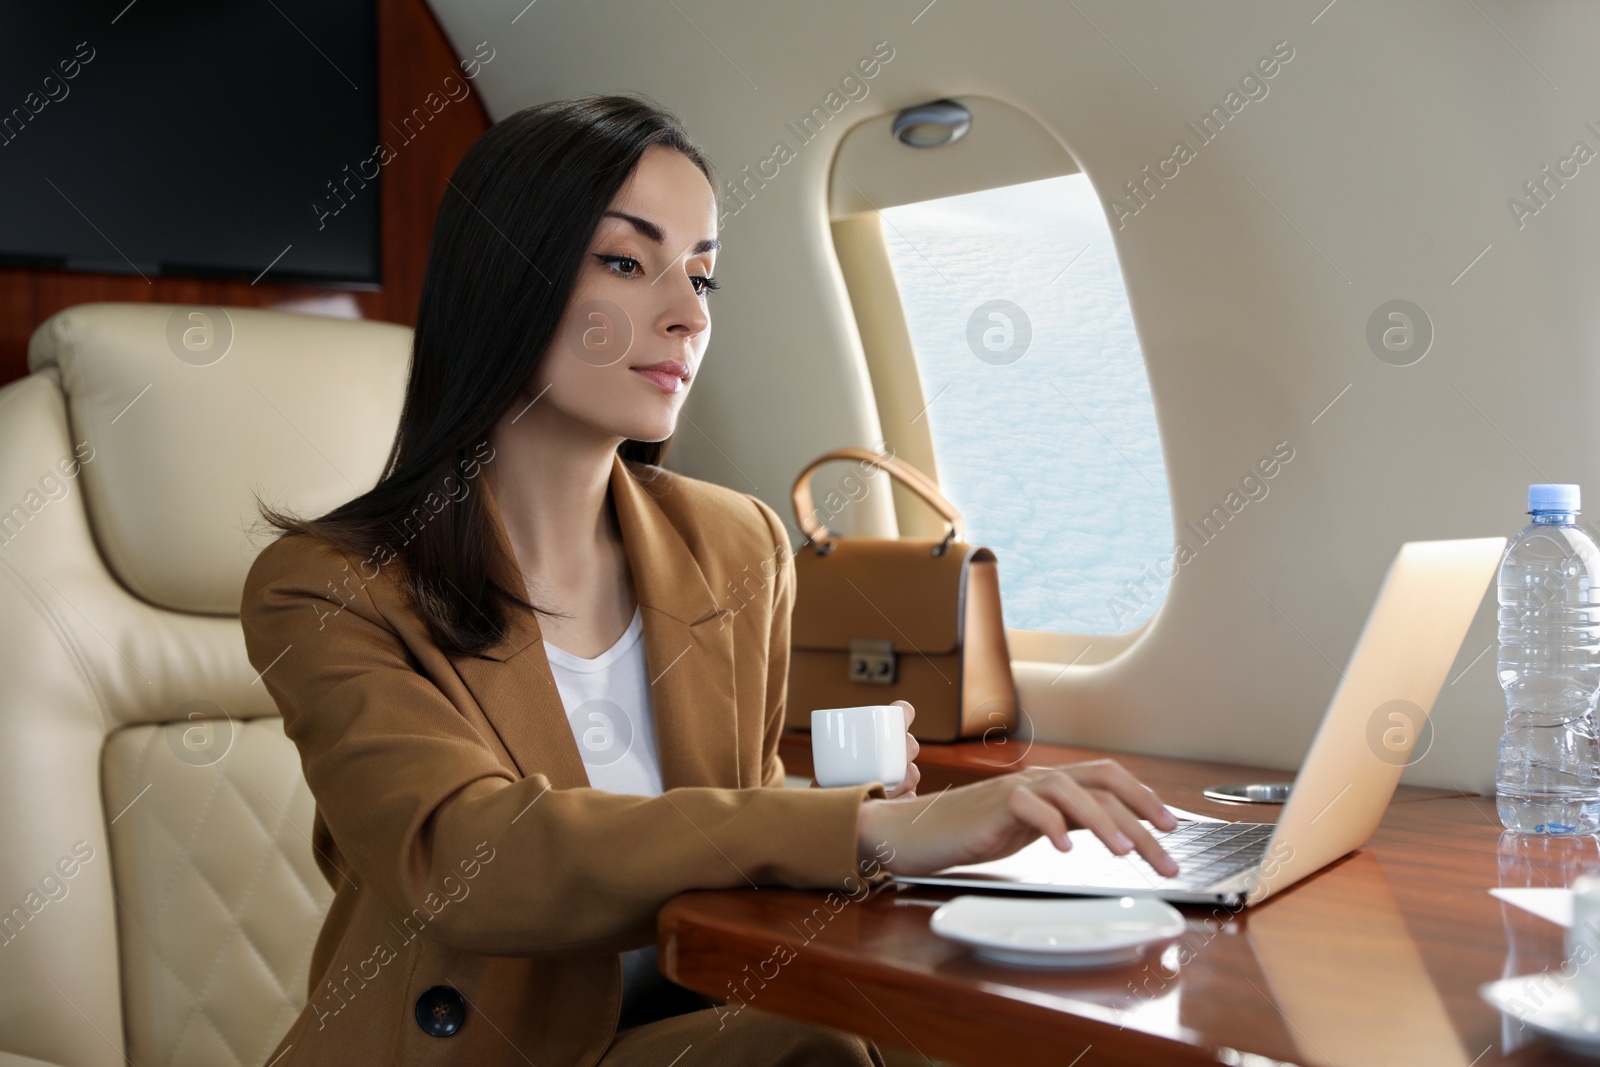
(413, 58)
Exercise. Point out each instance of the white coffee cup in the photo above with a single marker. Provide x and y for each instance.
(1583, 941)
(854, 746)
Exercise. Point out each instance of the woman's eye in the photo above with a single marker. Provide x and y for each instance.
(704, 283)
(627, 263)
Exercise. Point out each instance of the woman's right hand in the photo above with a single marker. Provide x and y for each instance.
(998, 816)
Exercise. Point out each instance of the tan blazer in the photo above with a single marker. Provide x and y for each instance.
(483, 890)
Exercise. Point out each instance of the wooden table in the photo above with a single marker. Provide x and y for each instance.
(1178, 781)
(1374, 960)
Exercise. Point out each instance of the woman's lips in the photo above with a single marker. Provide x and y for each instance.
(665, 380)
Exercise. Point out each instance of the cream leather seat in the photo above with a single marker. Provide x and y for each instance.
(158, 895)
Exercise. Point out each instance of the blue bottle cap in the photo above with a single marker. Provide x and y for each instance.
(1563, 498)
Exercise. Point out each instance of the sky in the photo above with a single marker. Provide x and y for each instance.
(1042, 422)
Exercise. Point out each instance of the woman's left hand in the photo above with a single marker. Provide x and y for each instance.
(908, 784)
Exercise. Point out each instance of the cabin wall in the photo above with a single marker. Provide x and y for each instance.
(1378, 166)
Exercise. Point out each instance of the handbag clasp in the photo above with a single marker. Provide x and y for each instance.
(872, 661)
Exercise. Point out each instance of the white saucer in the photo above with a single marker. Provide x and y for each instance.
(1550, 1006)
(1057, 932)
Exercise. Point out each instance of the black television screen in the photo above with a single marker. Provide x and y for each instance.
(213, 139)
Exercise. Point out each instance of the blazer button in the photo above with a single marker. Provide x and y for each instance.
(440, 1011)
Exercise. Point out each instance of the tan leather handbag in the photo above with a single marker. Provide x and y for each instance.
(880, 619)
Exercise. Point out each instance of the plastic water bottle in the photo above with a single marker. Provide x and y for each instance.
(1549, 773)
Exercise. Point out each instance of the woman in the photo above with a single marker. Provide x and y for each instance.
(507, 790)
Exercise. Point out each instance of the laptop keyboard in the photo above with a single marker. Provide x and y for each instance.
(1207, 853)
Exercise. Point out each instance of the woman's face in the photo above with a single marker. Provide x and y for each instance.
(631, 338)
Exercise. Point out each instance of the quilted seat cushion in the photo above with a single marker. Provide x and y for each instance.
(219, 894)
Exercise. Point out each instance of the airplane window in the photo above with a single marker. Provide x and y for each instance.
(1037, 400)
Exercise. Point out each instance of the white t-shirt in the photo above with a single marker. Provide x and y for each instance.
(608, 706)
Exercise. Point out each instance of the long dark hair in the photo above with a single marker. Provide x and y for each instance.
(511, 234)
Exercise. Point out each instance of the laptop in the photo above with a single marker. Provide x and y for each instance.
(1412, 634)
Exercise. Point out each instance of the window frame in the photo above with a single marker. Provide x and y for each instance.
(867, 177)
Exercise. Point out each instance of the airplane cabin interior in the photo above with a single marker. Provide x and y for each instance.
(1198, 388)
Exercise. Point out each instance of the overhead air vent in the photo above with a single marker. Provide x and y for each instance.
(932, 124)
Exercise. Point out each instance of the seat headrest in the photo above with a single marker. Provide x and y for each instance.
(178, 411)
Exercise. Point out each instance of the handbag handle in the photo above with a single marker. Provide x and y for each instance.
(818, 534)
